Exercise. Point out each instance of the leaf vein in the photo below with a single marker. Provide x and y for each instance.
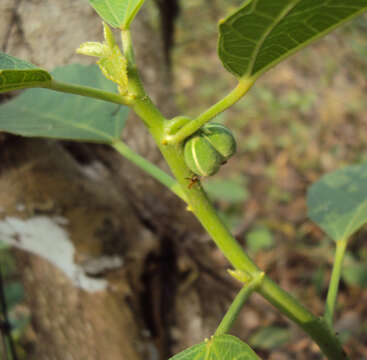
(265, 35)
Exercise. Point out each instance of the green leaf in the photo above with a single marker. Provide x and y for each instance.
(270, 337)
(222, 347)
(19, 74)
(118, 13)
(44, 113)
(261, 33)
(338, 201)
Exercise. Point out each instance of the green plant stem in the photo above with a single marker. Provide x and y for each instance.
(176, 123)
(127, 45)
(341, 246)
(89, 92)
(282, 300)
(150, 168)
(143, 106)
(316, 327)
(236, 94)
(201, 206)
(203, 209)
(135, 87)
(237, 305)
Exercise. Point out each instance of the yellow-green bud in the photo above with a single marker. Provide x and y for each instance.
(108, 36)
(92, 48)
(111, 61)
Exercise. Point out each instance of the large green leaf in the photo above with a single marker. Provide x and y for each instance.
(44, 113)
(118, 13)
(338, 201)
(222, 347)
(263, 32)
(19, 74)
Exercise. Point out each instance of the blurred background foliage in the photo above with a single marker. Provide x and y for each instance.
(304, 118)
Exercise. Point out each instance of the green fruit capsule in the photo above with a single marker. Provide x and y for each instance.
(201, 157)
(210, 147)
(220, 138)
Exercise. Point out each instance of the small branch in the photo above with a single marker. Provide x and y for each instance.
(200, 205)
(237, 305)
(128, 47)
(135, 86)
(150, 168)
(143, 105)
(176, 123)
(334, 281)
(242, 88)
(89, 92)
(314, 326)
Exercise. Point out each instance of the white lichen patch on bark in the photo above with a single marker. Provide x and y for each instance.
(46, 237)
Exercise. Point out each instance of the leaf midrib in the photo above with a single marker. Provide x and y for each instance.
(112, 12)
(307, 42)
(75, 125)
(277, 20)
(26, 84)
(127, 11)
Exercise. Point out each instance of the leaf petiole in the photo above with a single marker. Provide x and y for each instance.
(191, 127)
(341, 246)
(89, 92)
(237, 304)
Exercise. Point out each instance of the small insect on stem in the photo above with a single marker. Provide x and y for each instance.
(193, 180)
